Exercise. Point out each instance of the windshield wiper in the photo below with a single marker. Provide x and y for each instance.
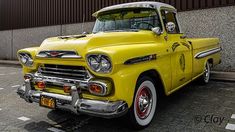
(123, 30)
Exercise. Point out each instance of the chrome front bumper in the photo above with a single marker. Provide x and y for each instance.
(74, 103)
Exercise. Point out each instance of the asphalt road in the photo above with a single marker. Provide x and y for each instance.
(194, 108)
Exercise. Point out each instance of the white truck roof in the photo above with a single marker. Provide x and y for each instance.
(145, 4)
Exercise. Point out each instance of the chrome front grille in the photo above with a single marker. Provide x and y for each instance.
(64, 71)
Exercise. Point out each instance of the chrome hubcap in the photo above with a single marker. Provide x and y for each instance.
(206, 73)
(143, 102)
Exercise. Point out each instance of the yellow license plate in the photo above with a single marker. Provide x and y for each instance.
(48, 102)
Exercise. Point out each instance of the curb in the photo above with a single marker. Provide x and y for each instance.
(223, 76)
(10, 62)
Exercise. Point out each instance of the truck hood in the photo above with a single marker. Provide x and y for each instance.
(83, 43)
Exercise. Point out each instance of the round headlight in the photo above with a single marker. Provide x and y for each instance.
(105, 64)
(99, 63)
(93, 62)
(25, 59)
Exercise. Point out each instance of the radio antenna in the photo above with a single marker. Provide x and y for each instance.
(83, 21)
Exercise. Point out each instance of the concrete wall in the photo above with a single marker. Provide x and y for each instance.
(77, 28)
(13, 40)
(216, 22)
(30, 37)
(5, 44)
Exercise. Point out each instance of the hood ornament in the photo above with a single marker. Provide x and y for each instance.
(58, 54)
(54, 53)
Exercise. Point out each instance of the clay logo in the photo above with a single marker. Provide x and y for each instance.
(182, 62)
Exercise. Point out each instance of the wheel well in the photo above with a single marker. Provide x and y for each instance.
(153, 74)
(210, 61)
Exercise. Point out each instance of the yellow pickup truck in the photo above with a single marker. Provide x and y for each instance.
(136, 53)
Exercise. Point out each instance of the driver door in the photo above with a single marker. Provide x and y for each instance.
(181, 54)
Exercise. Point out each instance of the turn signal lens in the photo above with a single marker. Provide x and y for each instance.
(96, 89)
(100, 87)
(67, 89)
(41, 85)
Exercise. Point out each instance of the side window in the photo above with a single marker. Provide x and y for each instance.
(168, 17)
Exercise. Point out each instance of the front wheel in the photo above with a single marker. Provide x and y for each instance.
(144, 103)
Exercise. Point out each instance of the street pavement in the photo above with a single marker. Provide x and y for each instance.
(209, 108)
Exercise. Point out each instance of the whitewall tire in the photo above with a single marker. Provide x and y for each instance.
(144, 103)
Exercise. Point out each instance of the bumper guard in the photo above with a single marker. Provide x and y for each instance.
(74, 103)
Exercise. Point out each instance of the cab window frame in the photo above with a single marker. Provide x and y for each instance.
(158, 14)
(175, 17)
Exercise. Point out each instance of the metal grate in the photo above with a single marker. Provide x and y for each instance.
(15, 14)
(63, 71)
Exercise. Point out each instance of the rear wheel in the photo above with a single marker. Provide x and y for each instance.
(144, 103)
(205, 78)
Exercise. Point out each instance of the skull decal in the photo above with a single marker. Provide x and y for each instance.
(170, 26)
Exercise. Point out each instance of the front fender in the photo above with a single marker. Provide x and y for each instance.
(121, 53)
(32, 51)
(125, 76)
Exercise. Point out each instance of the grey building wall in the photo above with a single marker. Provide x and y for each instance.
(31, 37)
(5, 44)
(215, 22)
(13, 40)
(77, 28)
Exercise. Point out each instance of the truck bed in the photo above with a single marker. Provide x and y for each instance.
(204, 50)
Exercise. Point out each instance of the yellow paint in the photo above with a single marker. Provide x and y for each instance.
(121, 46)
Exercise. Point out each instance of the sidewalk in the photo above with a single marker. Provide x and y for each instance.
(215, 75)
(223, 76)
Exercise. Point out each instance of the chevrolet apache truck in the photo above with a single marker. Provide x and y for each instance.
(136, 53)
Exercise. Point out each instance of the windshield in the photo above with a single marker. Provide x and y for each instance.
(127, 20)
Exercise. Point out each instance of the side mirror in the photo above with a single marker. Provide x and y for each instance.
(170, 27)
(157, 30)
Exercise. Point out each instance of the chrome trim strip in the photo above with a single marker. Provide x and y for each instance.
(207, 52)
(41, 56)
(60, 69)
(59, 78)
(63, 56)
(62, 73)
(71, 56)
(105, 109)
(60, 81)
(141, 59)
(58, 96)
(143, 4)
